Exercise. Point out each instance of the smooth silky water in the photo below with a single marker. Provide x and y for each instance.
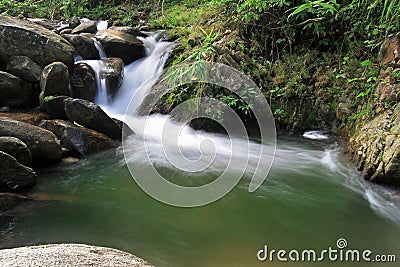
(310, 199)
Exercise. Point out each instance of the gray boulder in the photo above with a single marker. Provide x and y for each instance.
(79, 140)
(16, 148)
(24, 68)
(121, 45)
(83, 82)
(13, 175)
(83, 45)
(43, 144)
(55, 79)
(16, 93)
(92, 116)
(24, 38)
(86, 27)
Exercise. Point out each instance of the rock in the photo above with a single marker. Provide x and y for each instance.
(375, 148)
(83, 45)
(55, 79)
(45, 23)
(388, 89)
(92, 116)
(68, 255)
(33, 117)
(74, 22)
(121, 45)
(19, 37)
(344, 108)
(13, 175)
(65, 31)
(16, 148)
(54, 106)
(5, 109)
(87, 27)
(129, 30)
(390, 51)
(10, 200)
(77, 139)
(16, 93)
(43, 144)
(24, 68)
(83, 82)
(113, 73)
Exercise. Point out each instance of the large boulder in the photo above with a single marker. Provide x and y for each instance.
(24, 38)
(55, 79)
(83, 45)
(43, 144)
(15, 92)
(122, 45)
(77, 139)
(83, 82)
(54, 106)
(375, 148)
(13, 175)
(92, 116)
(17, 149)
(86, 27)
(24, 68)
(113, 74)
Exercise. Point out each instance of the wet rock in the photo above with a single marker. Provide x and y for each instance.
(74, 22)
(13, 175)
(375, 148)
(43, 144)
(33, 117)
(113, 74)
(10, 200)
(16, 148)
(65, 31)
(83, 82)
(79, 140)
(92, 116)
(86, 27)
(390, 51)
(54, 106)
(121, 45)
(16, 93)
(24, 68)
(83, 45)
(129, 30)
(55, 79)
(19, 37)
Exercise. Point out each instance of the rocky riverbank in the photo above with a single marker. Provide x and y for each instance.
(46, 105)
(68, 255)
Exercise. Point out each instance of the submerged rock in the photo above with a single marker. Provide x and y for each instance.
(69, 255)
(121, 45)
(13, 175)
(16, 93)
(86, 27)
(10, 200)
(16, 148)
(83, 45)
(24, 38)
(83, 82)
(43, 144)
(92, 116)
(77, 139)
(24, 68)
(113, 73)
(55, 79)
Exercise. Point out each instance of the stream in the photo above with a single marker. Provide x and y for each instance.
(312, 197)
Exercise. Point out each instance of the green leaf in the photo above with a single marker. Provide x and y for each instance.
(366, 63)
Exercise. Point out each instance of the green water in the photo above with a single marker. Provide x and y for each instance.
(309, 201)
